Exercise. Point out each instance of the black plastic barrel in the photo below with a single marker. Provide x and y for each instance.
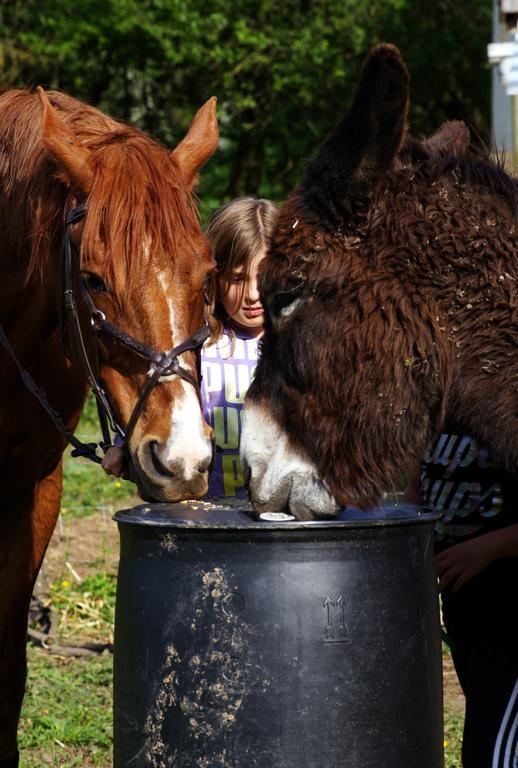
(244, 643)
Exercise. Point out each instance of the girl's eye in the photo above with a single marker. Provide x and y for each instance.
(93, 282)
(236, 279)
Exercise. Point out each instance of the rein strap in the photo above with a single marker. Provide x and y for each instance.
(88, 450)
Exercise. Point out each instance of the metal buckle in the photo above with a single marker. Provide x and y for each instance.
(97, 318)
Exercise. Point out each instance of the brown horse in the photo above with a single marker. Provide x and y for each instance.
(391, 295)
(137, 267)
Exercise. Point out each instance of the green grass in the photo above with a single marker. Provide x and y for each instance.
(89, 420)
(87, 487)
(85, 612)
(453, 725)
(67, 717)
(73, 726)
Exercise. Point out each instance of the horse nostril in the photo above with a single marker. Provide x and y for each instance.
(158, 465)
(204, 465)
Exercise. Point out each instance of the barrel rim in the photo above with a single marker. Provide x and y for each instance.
(203, 516)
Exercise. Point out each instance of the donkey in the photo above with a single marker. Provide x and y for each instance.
(130, 281)
(391, 302)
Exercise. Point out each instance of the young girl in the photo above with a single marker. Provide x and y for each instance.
(239, 233)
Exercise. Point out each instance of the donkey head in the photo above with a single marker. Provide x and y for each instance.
(350, 372)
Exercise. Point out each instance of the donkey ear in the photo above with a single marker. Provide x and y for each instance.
(71, 155)
(452, 138)
(359, 151)
(200, 142)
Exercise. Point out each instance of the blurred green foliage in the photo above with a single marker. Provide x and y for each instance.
(283, 71)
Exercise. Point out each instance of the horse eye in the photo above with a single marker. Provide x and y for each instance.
(93, 282)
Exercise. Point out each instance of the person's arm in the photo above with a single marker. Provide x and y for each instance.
(459, 563)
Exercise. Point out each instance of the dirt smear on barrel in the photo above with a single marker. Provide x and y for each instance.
(202, 688)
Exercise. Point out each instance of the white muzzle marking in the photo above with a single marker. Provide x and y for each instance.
(280, 479)
(187, 438)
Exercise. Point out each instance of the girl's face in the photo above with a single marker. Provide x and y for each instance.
(240, 297)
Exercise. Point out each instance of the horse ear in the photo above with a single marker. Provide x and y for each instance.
(70, 154)
(200, 142)
(359, 151)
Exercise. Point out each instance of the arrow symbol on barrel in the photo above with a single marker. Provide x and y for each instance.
(336, 630)
(341, 607)
(328, 604)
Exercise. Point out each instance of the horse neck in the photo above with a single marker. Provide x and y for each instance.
(27, 310)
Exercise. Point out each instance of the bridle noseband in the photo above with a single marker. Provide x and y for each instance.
(161, 363)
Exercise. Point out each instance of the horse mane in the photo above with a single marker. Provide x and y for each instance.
(138, 205)
(452, 150)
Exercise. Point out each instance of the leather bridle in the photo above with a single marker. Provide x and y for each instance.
(161, 363)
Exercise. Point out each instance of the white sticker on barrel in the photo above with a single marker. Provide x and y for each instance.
(276, 516)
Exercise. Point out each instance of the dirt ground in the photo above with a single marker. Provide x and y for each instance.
(79, 547)
(453, 696)
(84, 545)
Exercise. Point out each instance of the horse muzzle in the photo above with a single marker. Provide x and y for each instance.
(163, 477)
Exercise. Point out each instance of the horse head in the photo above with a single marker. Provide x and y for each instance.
(376, 264)
(139, 268)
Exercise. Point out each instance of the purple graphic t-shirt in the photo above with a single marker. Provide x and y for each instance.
(227, 368)
(461, 481)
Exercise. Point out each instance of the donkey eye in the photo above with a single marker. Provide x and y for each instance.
(283, 304)
(93, 282)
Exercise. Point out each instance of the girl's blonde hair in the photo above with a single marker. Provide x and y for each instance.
(236, 231)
